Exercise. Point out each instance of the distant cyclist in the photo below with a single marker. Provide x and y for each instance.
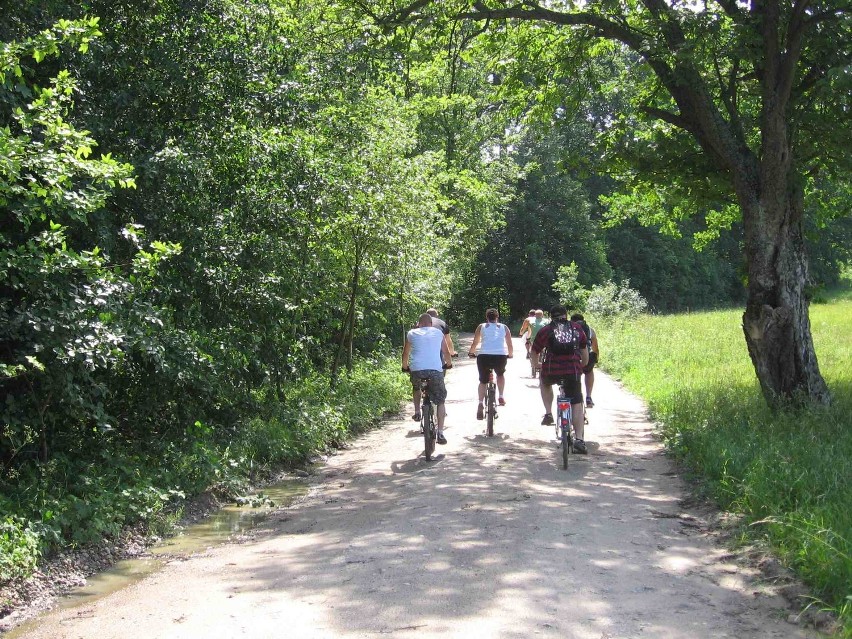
(565, 353)
(495, 350)
(525, 330)
(536, 325)
(440, 324)
(589, 369)
(424, 356)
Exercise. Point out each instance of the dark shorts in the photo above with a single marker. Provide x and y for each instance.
(437, 389)
(486, 363)
(571, 383)
(593, 359)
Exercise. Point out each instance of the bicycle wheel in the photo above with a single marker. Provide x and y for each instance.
(429, 433)
(491, 409)
(566, 445)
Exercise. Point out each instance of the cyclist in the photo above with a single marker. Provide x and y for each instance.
(525, 330)
(536, 325)
(425, 355)
(438, 323)
(565, 369)
(589, 369)
(495, 350)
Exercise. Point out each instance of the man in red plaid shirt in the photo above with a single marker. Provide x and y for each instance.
(566, 370)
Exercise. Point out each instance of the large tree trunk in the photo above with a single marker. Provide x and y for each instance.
(776, 323)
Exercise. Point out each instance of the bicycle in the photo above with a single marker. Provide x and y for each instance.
(564, 425)
(428, 427)
(535, 367)
(427, 419)
(490, 405)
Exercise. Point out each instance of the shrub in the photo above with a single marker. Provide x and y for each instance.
(615, 300)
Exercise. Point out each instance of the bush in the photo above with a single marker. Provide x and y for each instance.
(19, 549)
(615, 300)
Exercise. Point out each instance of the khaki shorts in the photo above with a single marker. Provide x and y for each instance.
(436, 387)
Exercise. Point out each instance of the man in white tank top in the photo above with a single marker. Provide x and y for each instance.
(425, 355)
(496, 348)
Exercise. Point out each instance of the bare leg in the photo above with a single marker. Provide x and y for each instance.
(441, 414)
(546, 396)
(501, 384)
(417, 401)
(590, 382)
(577, 417)
(481, 392)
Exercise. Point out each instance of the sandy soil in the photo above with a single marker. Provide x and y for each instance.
(490, 539)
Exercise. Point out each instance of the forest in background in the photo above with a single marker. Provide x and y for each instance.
(219, 218)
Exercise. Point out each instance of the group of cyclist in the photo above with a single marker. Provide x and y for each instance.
(428, 351)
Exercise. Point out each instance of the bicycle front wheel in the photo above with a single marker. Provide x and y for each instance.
(429, 433)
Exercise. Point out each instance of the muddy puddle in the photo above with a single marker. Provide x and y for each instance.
(215, 529)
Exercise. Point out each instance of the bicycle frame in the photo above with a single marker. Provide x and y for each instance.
(490, 405)
(427, 420)
(564, 425)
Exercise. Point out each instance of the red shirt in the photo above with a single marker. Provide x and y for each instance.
(559, 365)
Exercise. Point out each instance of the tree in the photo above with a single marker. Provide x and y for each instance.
(756, 95)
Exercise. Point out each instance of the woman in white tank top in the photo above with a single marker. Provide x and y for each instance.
(495, 342)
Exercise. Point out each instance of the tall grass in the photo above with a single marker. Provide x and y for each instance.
(788, 474)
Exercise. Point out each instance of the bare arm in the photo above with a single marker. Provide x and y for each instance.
(509, 341)
(406, 352)
(476, 336)
(449, 344)
(584, 357)
(446, 355)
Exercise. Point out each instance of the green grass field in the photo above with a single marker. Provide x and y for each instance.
(789, 475)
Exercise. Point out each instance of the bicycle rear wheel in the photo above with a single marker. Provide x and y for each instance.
(491, 410)
(566, 445)
(429, 434)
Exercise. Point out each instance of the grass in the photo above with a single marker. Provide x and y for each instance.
(789, 475)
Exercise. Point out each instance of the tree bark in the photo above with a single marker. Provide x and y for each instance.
(776, 323)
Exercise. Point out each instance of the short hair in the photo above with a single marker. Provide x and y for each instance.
(558, 311)
(577, 317)
(532, 312)
(491, 314)
(539, 312)
(432, 312)
(425, 319)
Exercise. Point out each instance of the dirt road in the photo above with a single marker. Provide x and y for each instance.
(490, 539)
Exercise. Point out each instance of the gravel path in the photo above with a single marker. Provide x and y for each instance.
(490, 539)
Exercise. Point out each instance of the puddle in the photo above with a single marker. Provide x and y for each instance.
(215, 529)
(228, 521)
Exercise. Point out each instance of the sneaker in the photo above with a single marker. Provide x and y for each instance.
(416, 417)
(580, 447)
(441, 439)
(501, 401)
(547, 420)
(528, 355)
(480, 412)
(589, 403)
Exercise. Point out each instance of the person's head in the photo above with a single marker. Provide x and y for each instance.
(492, 315)
(425, 320)
(539, 314)
(531, 313)
(577, 317)
(432, 312)
(558, 312)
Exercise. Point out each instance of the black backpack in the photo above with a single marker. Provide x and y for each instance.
(564, 338)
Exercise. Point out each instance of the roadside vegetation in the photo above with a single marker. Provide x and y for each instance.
(786, 473)
(218, 219)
